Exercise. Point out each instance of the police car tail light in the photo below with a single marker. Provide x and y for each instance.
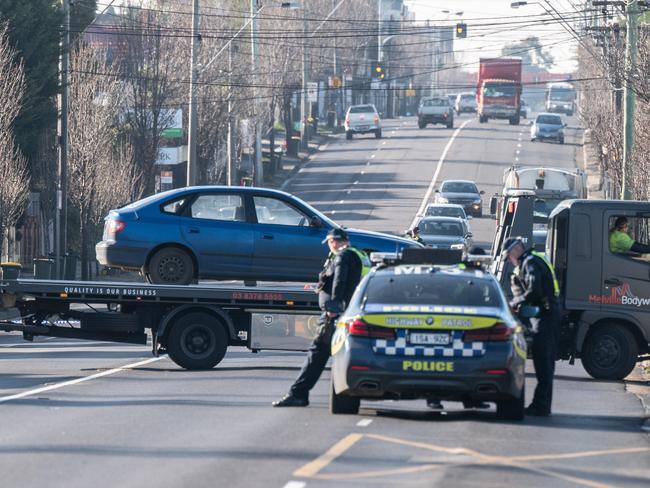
(498, 332)
(359, 328)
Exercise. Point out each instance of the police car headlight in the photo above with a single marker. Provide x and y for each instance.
(457, 246)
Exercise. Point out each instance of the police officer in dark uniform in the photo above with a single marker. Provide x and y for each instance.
(534, 283)
(341, 274)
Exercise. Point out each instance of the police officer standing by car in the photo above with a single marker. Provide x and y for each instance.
(343, 269)
(534, 283)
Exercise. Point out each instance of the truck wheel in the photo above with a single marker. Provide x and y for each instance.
(482, 119)
(561, 140)
(378, 134)
(421, 124)
(171, 266)
(197, 340)
(610, 352)
(512, 408)
(514, 120)
(450, 124)
(348, 135)
(343, 404)
(570, 113)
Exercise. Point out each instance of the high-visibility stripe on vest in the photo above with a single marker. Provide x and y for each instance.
(365, 260)
(556, 284)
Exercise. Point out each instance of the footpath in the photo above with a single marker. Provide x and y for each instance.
(638, 383)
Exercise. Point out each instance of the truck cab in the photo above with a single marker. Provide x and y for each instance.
(606, 295)
(498, 89)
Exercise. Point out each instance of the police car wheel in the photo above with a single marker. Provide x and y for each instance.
(512, 408)
(343, 404)
(197, 340)
(610, 352)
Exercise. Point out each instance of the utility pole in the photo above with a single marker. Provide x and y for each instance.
(230, 144)
(258, 177)
(629, 98)
(61, 219)
(304, 109)
(193, 116)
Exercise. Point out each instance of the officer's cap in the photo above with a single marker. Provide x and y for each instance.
(337, 234)
(509, 244)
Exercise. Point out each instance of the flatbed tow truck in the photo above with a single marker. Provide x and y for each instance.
(193, 324)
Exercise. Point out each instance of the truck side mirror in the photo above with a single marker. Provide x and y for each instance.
(493, 205)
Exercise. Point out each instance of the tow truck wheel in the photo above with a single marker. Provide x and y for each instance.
(348, 135)
(512, 408)
(197, 340)
(610, 352)
(171, 266)
(378, 134)
(342, 404)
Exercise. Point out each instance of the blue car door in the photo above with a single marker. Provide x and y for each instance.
(216, 228)
(286, 246)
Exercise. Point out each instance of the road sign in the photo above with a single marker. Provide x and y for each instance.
(312, 92)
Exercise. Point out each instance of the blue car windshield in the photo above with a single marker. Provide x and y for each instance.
(431, 289)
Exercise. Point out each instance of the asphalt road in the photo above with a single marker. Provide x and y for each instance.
(78, 414)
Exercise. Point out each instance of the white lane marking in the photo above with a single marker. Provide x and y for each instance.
(357, 182)
(372, 156)
(333, 212)
(348, 192)
(364, 422)
(383, 143)
(363, 172)
(519, 145)
(425, 200)
(56, 386)
(517, 151)
(516, 159)
(295, 484)
(341, 201)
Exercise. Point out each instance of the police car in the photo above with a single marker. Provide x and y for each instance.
(439, 331)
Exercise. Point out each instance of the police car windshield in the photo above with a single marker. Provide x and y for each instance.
(440, 288)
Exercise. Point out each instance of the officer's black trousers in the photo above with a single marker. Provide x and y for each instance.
(544, 349)
(318, 354)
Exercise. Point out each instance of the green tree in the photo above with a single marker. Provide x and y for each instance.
(532, 52)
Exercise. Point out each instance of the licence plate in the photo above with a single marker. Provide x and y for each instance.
(362, 127)
(429, 339)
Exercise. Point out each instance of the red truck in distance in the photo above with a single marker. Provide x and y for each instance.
(498, 89)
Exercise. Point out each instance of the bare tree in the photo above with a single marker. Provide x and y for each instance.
(14, 186)
(96, 102)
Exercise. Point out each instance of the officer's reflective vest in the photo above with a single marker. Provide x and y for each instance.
(556, 284)
(365, 260)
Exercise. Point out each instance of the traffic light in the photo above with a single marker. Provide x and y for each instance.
(461, 30)
(378, 73)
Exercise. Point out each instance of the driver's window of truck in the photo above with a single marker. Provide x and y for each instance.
(629, 236)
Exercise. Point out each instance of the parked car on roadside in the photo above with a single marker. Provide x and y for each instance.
(225, 233)
(362, 119)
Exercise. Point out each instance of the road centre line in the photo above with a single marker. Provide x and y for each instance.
(425, 200)
(364, 422)
(76, 381)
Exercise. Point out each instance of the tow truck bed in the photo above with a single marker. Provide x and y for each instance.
(194, 323)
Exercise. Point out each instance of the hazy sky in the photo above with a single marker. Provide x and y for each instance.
(486, 40)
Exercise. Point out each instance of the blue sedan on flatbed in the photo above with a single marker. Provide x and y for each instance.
(225, 233)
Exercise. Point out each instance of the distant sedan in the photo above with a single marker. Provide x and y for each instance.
(445, 233)
(461, 192)
(225, 233)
